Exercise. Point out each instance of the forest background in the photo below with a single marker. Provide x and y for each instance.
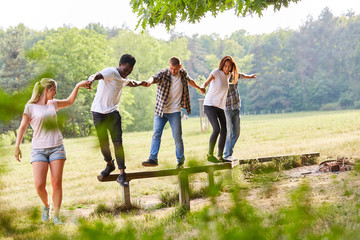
(314, 68)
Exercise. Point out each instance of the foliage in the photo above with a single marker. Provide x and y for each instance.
(72, 55)
(151, 55)
(154, 12)
(313, 68)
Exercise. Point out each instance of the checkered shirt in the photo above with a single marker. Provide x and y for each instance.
(233, 101)
(163, 81)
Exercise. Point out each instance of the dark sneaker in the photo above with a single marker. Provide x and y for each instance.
(150, 163)
(122, 180)
(109, 168)
(180, 165)
(212, 159)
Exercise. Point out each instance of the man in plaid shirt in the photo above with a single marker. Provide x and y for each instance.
(232, 114)
(172, 95)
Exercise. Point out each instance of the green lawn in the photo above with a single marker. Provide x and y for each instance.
(330, 133)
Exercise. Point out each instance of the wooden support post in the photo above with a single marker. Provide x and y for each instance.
(230, 174)
(126, 196)
(211, 178)
(184, 193)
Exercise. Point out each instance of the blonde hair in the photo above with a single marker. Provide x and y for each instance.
(234, 68)
(39, 88)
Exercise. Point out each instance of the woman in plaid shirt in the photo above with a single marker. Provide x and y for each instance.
(232, 114)
(215, 103)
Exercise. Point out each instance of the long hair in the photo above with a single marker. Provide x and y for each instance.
(39, 88)
(234, 68)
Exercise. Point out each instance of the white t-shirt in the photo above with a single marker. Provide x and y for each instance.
(173, 103)
(108, 93)
(218, 89)
(44, 124)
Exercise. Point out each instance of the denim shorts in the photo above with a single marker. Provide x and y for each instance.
(48, 154)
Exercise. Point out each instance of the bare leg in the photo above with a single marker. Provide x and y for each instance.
(40, 170)
(56, 169)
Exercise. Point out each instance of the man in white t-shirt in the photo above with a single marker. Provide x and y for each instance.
(172, 95)
(105, 111)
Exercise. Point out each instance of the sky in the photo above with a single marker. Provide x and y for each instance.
(41, 14)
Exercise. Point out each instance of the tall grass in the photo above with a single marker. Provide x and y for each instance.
(330, 133)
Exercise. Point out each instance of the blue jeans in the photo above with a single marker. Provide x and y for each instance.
(175, 124)
(233, 130)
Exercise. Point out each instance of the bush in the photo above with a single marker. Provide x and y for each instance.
(330, 107)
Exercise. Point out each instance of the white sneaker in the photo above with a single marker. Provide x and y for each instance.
(46, 213)
(230, 158)
(57, 220)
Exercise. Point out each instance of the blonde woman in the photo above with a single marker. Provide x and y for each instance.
(47, 149)
(215, 104)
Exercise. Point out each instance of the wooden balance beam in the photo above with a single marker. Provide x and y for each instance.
(184, 193)
(269, 159)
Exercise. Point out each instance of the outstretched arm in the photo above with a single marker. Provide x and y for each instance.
(71, 99)
(251, 76)
(195, 85)
(20, 134)
(134, 83)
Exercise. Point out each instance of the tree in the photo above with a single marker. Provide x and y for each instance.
(72, 55)
(168, 12)
(151, 56)
(15, 73)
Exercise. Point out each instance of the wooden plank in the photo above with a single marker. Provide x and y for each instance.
(269, 159)
(167, 172)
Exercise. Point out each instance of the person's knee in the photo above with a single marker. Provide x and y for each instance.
(178, 139)
(56, 183)
(118, 143)
(216, 130)
(40, 187)
(156, 136)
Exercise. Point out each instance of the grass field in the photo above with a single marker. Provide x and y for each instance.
(330, 133)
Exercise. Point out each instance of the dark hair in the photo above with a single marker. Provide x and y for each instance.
(175, 61)
(127, 58)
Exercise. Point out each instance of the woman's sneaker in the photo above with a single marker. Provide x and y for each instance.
(46, 213)
(212, 159)
(230, 158)
(57, 220)
(109, 168)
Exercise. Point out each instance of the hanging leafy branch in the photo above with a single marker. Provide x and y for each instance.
(168, 12)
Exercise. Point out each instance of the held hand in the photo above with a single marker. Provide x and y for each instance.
(84, 84)
(145, 84)
(88, 85)
(18, 154)
(202, 90)
(90, 81)
(253, 75)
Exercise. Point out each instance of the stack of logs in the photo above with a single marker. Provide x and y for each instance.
(340, 164)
